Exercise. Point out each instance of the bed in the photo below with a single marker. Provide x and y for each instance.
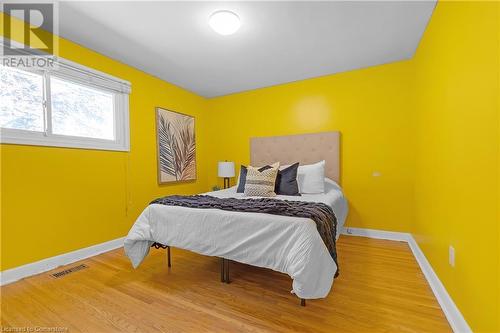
(291, 245)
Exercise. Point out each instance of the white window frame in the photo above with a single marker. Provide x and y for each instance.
(76, 73)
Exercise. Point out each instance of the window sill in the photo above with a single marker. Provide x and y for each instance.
(39, 139)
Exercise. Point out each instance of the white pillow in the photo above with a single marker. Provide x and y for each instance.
(311, 178)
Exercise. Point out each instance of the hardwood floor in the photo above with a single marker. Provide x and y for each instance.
(380, 289)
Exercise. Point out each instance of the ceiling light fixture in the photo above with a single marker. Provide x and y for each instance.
(224, 22)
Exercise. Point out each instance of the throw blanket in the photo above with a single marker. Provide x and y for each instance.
(321, 214)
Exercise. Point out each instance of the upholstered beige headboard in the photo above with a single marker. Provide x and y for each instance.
(303, 148)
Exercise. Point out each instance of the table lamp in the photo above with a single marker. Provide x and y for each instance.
(226, 171)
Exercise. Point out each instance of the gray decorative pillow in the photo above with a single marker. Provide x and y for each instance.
(286, 181)
(261, 183)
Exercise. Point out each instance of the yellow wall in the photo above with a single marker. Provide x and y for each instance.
(456, 185)
(55, 200)
(370, 107)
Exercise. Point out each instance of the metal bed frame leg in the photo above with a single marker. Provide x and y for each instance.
(227, 270)
(302, 302)
(222, 270)
(168, 257)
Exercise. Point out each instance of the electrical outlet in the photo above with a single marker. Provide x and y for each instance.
(451, 256)
(376, 174)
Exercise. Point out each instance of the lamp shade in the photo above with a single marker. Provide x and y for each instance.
(226, 169)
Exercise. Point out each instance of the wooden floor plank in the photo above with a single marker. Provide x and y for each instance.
(380, 289)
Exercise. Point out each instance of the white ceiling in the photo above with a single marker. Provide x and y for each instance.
(278, 42)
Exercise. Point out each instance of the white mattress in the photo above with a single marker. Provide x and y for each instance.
(290, 245)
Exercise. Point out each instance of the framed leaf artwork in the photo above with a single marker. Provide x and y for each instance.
(176, 146)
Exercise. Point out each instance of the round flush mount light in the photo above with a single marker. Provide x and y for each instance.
(224, 22)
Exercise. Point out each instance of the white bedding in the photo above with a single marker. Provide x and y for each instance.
(290, 245)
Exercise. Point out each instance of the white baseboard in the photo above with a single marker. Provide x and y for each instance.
(17, 273)
(451, 311)
(378, 234)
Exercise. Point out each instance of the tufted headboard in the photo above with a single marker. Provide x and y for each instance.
(303, 148)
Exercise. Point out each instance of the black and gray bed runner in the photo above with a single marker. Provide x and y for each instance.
(321, 214)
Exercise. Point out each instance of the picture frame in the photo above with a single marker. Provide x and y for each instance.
(176, 146)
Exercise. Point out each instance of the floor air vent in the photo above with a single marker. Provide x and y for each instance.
(68, 271)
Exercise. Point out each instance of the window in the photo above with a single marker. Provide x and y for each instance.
(72, 106)
(92, 119)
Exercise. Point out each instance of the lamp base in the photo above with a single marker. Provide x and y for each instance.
(226, 183)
